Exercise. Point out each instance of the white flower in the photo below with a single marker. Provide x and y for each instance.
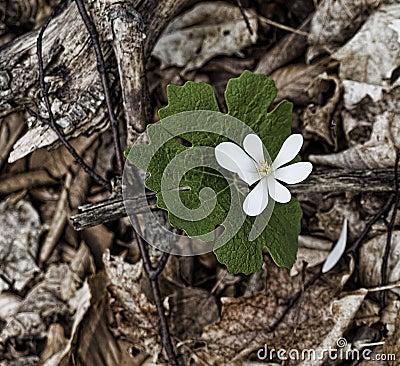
(252, 167)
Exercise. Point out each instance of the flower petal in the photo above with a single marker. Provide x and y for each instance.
(277, 191)
(257, 200)
(254, 147)
(293, 173)
(289, 150)
(231, 157)
(337, 251)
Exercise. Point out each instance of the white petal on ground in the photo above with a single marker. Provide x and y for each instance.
(293, 173)
(231, 157)
(254, 147)
(289, 150)
(257, 200)
(277, 191)
(337, 251)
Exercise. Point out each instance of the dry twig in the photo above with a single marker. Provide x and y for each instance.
(152, 274)
(333, 180)
(245, 17)
(101, 67)
(51, 120)
(283, 26)
(390, 228)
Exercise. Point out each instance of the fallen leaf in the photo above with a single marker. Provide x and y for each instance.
(10, 129)
(19, 241)
(355, 91)
(293, 80)
(368, 313)
(91, 342)
(44, 304)
(378, 152)
(390, 316)
(191, 309)
(289, 48)
(58, 221)
(21, 326)
(207, 30)
(56, 341)
(80, 304)
(138, 315)
(342, 311)
(328, 221)
(334, 22)
(58, 161)
(98, 239)
(370, 261)
(9, 304)
(82, 261)
(244, 325)
(49, 297)
(356, 128)
(392, 344)
(318, 120)
(311, 250)
(368, 60)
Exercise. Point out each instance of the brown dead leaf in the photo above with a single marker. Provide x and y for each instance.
(60, 351)
(207, 30)
(93, 344)
(82, 261)
(356, 129)
(368, 313)
(392, 344)
(370, 262)
(58, 161)
(289, 48)
(390, 315)
(21, 326)
(138, 316)
(56, 342)
(319, 120)
(329, 218)
(44, 304)
(191, 309)
(19, 241)
(98, 239)
(46, 166)
(41, 136)
(245, 322)
(293, 80)
(368, 60)
(9, 304)
(57, 224)
(10, 129)
(311, 250)
(378, 152)
(19, 181)
(49, 297)
(335, 22)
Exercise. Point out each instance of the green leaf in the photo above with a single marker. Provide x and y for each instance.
(190, 97)
(248, 98)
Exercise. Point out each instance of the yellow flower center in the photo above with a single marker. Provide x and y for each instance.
(265, 168)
